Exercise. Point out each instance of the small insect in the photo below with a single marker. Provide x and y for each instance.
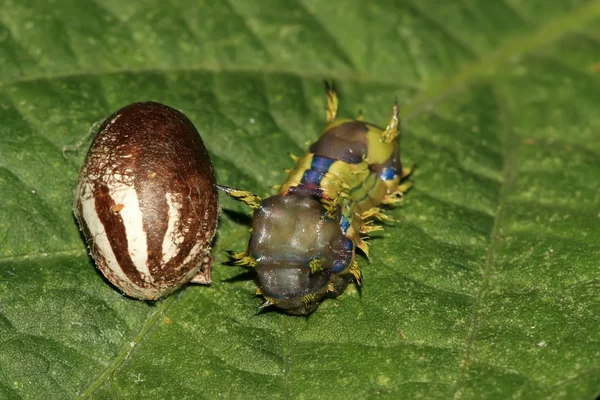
(304, 239)
(146, 201)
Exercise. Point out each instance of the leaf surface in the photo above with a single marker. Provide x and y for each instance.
(486, 287)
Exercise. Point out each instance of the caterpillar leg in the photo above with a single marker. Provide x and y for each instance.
(391, 131)
(360, 116)
(367, 227)
(406, 172)
(309, 298)
(364, 247)
(316, 265)
(332, 101)
(375, 213)
(241, 259)
(368, 218)
(356, 272)
(330, 206)
(397, 195)
(250, 199)
(267, 303)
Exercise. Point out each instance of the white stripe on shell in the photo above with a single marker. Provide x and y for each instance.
(175, 233)
(98, 233)
(131, 214)
(198, 247)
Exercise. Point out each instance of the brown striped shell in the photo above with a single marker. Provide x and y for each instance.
(146, 201)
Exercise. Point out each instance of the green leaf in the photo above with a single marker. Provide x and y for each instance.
(486, 287)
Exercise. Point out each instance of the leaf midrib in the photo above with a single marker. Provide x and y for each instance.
(129, 347)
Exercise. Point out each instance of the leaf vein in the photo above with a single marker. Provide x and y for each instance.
(509, 176)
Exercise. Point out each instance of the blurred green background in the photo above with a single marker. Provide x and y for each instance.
(485, 288)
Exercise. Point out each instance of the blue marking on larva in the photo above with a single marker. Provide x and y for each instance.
(312, 177)
(388, 174)
(341, 264)
(344, 224)
(321, 164)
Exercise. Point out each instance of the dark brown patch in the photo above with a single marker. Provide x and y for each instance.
(346, 142)
(101, 262)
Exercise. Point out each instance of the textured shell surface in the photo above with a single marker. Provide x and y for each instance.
(146, 201)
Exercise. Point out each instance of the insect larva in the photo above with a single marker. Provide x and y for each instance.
(304, 239)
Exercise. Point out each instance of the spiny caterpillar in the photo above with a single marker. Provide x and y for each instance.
(304, 238)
